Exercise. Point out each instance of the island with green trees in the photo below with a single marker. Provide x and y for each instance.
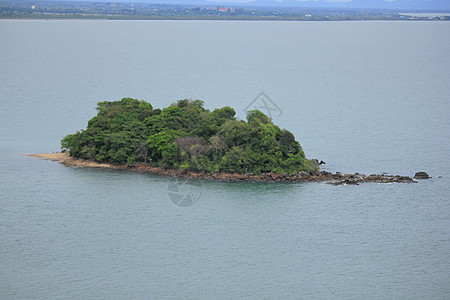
(187, 136)
(187, 140)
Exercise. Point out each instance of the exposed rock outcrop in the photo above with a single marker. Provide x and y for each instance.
(319, 176)
(421, 175)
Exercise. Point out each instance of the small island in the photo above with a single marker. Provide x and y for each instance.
(187, 140)
(186, 136)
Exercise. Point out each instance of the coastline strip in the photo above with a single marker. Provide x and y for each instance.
(322, 176)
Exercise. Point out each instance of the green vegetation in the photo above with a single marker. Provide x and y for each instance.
(185, 135)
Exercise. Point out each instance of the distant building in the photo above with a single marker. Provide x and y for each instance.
(222, 9)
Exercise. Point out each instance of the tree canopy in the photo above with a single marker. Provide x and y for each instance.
(185, 135)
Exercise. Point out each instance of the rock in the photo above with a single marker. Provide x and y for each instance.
(343, 182)
(276, 177)
(322, 163)
(421, 175)
(351, 182)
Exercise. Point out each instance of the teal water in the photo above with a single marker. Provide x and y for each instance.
(367, 97)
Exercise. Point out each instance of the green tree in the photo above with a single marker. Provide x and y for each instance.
(185, 135)
(158, 143)
(255, 117)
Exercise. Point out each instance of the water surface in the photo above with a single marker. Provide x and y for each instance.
(367, 97)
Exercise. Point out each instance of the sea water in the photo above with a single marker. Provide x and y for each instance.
(368, 97)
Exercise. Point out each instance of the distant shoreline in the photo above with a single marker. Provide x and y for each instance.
(322, 176)
(113, 18)
(208, 10)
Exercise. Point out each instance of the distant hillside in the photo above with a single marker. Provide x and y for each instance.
(374, 4)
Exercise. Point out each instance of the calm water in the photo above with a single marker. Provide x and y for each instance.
(367, 97)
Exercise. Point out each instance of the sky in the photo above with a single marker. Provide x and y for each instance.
(386, 4)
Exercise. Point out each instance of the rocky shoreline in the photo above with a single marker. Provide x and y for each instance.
(321, 176)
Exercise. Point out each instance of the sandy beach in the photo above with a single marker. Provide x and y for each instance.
(67, 160)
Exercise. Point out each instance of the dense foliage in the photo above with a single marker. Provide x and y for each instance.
(185, 135)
